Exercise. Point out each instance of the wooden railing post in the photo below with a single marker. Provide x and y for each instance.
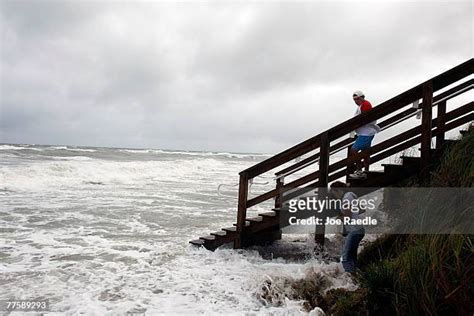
(324, 160)
(350, 167)
(440, 124)
(242, 209)
(279, 198)
(426, 128)
(322, 185)
(280, 182)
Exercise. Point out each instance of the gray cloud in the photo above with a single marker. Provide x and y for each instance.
(235, 76)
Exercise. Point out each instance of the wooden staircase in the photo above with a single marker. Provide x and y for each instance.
(266, 227)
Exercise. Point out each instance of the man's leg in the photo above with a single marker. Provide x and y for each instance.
(358, 238)
(367, 145)
(346, 261)
(367, 163)
(359, 144)
(347, 258)
(357, 164)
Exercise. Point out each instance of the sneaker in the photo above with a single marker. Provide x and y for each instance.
(358, 174)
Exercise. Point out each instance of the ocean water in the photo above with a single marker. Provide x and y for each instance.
(106, 231)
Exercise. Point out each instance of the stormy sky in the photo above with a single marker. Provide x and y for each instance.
(253, 76)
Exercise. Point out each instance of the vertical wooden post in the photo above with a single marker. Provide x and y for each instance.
(324, 160)
(242, 209)
(322, 186)
(349, 168)
(426, 128)
(440, 126)
(279, 198)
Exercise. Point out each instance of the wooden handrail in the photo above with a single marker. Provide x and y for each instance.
(283, 157)
(408, 97)
(441, 81)
(387, 153)
(314, 157)
(415, 131)
(448, 93)
(393, 119)
(393, 150)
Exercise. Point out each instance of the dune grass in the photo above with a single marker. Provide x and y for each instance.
(418, 274)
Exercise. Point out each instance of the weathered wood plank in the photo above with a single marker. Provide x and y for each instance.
(426, 118)
(440, 124)
(242, 208)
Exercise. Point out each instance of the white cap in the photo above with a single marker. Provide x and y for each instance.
(358, 93)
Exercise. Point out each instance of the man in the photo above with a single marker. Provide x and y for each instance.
(365, 135)
(353, 233)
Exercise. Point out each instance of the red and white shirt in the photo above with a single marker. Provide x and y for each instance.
(371, 128)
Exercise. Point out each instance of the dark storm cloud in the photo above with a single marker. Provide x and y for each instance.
(238, 76)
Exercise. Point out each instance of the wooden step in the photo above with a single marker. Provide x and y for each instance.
(208, 238)
(211, 242)
(220, 233)
(247, 223)
(230, 229)
(267, 214)
(256, 219)
(223, 237)
(448, 143)
(370, 174)
(411, 160)
(374, 179)
(432, 151)
(405, 170)
(389, 168)
(197, 242)
(267, 222)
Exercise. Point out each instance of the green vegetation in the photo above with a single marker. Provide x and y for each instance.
(417, 274)
(433, 275)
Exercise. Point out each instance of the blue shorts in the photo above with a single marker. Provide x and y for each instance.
(362, 142)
